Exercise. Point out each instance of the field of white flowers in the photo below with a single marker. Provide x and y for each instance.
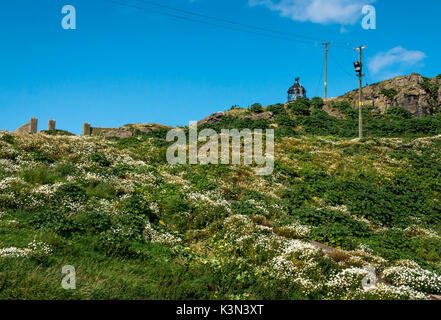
(135, 227)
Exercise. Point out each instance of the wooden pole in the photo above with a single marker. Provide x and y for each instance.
(360, 93)
(326, 44)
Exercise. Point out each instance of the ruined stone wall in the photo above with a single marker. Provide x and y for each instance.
(51, 125)
(110, 132)
(28, 128)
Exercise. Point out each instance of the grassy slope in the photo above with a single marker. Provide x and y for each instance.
(219, 232)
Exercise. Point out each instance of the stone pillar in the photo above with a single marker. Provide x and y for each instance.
(51, 125)
(86, 129)
(34, 125)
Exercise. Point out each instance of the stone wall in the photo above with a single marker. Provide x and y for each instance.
(28, 128)
(51, 125)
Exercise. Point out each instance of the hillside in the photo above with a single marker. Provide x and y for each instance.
(136, 227)
(419, 95)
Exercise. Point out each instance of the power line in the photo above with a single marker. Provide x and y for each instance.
(367, 73)
(276, 34)
(346, 45)
(320, 79)
(205, 22)
(228, 21)
(340, 66)
(308, 40)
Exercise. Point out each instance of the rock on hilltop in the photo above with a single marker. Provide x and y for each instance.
(419, 95)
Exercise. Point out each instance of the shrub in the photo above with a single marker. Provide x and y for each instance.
(339, 255)
(299, 107)
(115, 244)
(100, 158)
(277, 109)
(230, 122)
(93, 222)
(256, 108)
(8, 138)
(38, 175)
(285, 120)
(398, 113)
(42, 156)
(174, 205)
(245, 208)
(342, 106)
(125, 143)
(101, 190)
(297, 196)
(389, 93)
(317, 103)
(57, 132)
(202, 217)
(332, 227)
(55, 221)
(284, 131)
(201, 182)
(160, 133)
(72, 192)
(121, 170)
(47, 175)
(138, 206)
(292, 232)
(431, 87)
(64, 169)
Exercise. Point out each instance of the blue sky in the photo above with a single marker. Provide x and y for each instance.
(123, 65)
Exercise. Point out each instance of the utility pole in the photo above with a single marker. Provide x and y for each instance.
(326, 44)
(359, 70)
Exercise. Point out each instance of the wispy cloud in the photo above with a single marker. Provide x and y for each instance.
(396, 61)
(345, 12)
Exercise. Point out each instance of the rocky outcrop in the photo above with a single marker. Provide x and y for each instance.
(242, 114)
(333, 112)
(111, 132)
(420, 96)
(145, 127)
(126, 131)
(439, 96)
(257, 116)
(214, 118)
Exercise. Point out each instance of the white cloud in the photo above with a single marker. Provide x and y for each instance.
(396, 61)
(346, 12)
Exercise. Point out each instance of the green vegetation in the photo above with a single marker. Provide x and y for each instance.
(57, 132)
(306, 117)
(135, 227)
(300, 107)
(390, 94)
(396, 122)
(256, 108)
(431, 86)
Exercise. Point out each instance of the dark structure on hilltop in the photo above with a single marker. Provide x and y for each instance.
(296, 91)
